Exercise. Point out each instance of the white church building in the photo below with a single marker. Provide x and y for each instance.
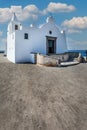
(22, 42)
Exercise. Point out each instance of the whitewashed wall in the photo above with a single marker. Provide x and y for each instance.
(11, 47)
(19, 49)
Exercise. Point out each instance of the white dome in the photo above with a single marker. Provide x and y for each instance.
(50, 19)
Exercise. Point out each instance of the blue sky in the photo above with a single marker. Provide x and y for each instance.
(70, 15)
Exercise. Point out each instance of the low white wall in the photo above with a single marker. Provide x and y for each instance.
(32, 58)
(46, 60)
(63, 57)
(53, 60)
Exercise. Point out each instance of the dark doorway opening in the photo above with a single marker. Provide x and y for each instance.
(51, 45)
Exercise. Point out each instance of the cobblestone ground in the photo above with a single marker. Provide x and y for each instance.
(42, 98)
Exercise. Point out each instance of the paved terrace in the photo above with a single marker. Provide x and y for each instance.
(42, 98)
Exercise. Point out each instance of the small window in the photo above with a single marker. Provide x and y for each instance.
(26, 36)
(50, 32)
(16, 27)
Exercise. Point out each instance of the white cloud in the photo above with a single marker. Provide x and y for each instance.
(17, 9)
(5, 14)
(32, 11)
(76, 22)
(58, 7)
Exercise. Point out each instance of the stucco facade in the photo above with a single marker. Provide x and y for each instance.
(46, 39)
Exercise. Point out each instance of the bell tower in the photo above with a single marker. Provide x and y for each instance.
(14, 24)
(12, 29)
